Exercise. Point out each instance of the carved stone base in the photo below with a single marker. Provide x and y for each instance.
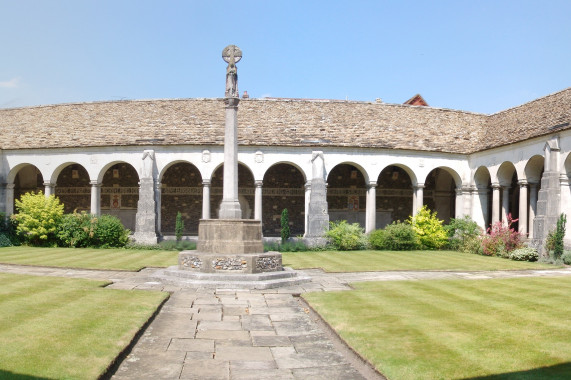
(230, 246)
(231, 264)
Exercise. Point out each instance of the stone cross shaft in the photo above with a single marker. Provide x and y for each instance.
(230, 206)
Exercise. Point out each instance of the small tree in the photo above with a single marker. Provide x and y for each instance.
(285, 225)
(179, 226)
(554, 241)
(38, 218)
(429, 229)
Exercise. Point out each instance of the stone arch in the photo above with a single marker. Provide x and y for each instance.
(181, 191)
(509, 195)
(393, 195)
(533, 173)
(72, 187)
(283, 187)
(482, 210)
(356, 166)
(346, 193)
(26, 178)
(440, 192)
(120, 192)
(534, 169)
(245, 190)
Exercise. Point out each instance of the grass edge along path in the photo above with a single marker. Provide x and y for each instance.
(364, 261)
(67, 328)
(88, 258)
(453, 329)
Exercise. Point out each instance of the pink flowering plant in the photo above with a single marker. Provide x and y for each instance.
(501, 239)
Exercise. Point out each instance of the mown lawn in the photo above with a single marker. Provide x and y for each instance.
(362, 261)
(66, 328)
(455, 329)
(88, 258)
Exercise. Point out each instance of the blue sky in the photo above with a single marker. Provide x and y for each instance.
(481, 56)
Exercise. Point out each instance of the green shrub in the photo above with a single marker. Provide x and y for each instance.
(428, 229)
(460, 230)
(284, 221)
(38, 218)
(524, 254)
(554, 240)
(346, 237)
(179, 226)
(109, 232)
(5, 240)
(395, 237)
(566, 257)
(473, 245)
(76, 230)
(501, 239)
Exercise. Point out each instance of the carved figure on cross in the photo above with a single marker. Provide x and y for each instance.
(232, 55)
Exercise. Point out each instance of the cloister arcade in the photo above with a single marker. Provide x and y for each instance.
(361, 189)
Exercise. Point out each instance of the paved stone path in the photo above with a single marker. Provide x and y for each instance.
(248, 334)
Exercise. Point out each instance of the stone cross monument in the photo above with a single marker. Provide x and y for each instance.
(230, 244)
(230, 206)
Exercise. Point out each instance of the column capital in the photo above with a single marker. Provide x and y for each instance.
(10, 186)
(419, 186)
(258, 183)
(372, 184)
(459, 191)
(563, 179)
(206, 183)
(496, 185)
(522, 182)
(47, 183)
(307, 185)
(95, 183)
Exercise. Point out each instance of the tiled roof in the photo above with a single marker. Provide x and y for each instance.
(543, 116)
(278, 122)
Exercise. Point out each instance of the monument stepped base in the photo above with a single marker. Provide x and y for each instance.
(268, 280)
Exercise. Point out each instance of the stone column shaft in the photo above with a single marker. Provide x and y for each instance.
(306, 209)
(95, 198)
(459, 203)
(505, 203)
(532, 206)
(10, 198)
(419, 197)
(495, 202)
(371, 210)
(230, 206)
(49, 189)
(522, 207)
(206, 199)
(480, 207)
(158, 203)
(258, 200)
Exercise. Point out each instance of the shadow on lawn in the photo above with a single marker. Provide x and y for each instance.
(7, 375)
(559, 371)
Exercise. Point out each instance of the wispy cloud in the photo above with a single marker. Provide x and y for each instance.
(12, 83)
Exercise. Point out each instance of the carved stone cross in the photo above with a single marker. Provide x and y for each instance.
(232, 55)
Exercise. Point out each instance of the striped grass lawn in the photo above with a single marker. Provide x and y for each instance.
(456, 329)
(88, 258)
(66, 328)
(361, 261)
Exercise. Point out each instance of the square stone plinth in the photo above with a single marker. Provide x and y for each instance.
(230, 236)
